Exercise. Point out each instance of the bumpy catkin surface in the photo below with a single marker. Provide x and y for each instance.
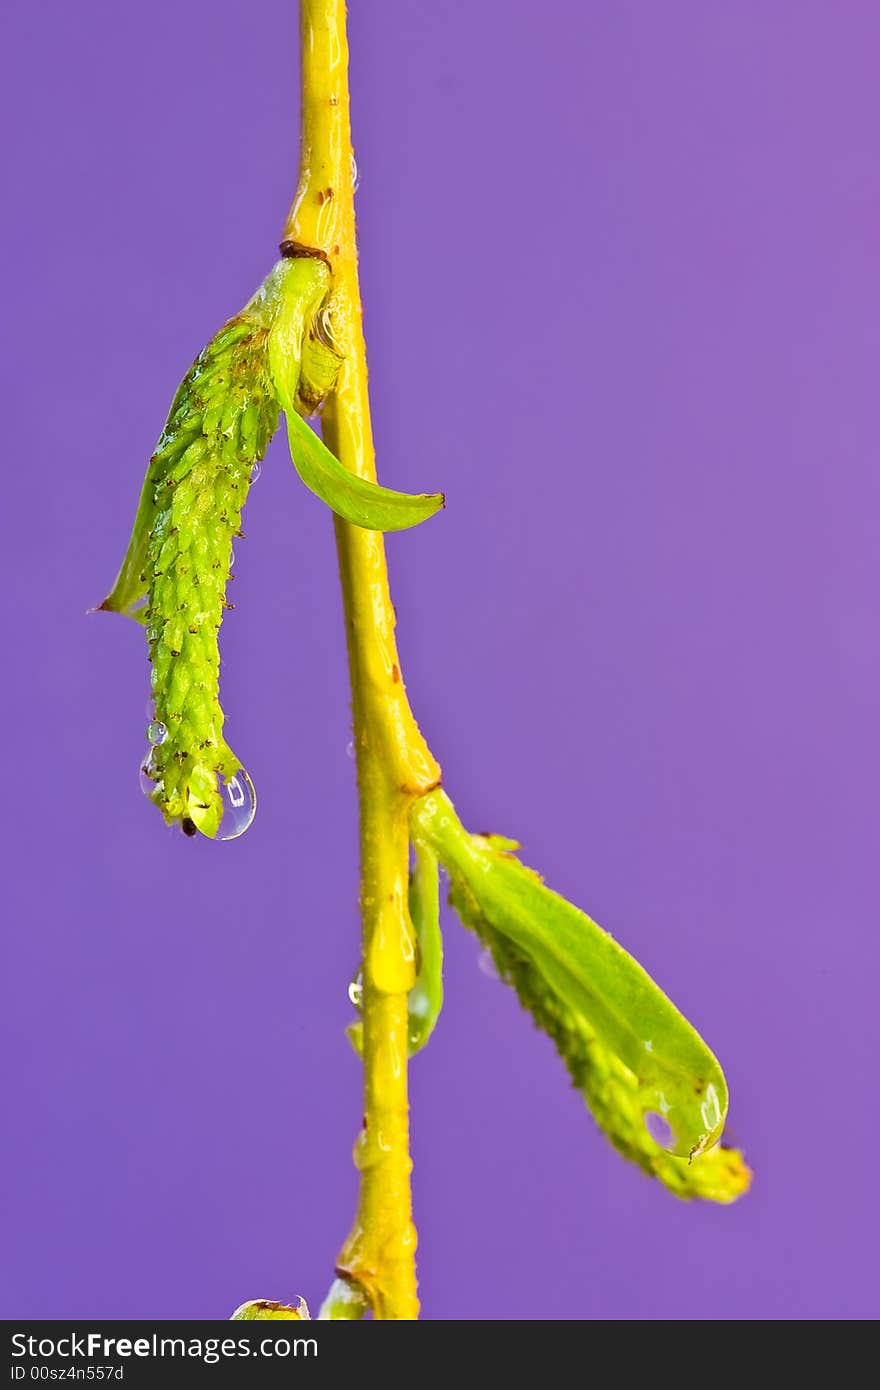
(218, 428)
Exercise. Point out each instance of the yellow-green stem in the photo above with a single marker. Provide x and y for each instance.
(394, 764)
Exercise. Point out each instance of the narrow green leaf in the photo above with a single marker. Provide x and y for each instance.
(593, 978)
(356, 500)
(130, 586)
(303, 369)
(425, 999)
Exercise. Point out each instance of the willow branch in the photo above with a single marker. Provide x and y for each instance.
(394, 764)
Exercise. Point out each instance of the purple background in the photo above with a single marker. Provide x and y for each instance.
(620, 264)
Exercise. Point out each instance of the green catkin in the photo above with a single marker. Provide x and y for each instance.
(271, 356)
(219, 426)
(682, 1086)
(634, 1058)
(609, 1088)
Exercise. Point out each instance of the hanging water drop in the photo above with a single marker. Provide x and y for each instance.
(221, 808)
(239, 805)
(355, 175)
(255, 472)
(156, 732)
(146, 776)
(323, 330)
(231, 557)
(710, 1110)
(356, 991)
(349, 748)
(659, 1129)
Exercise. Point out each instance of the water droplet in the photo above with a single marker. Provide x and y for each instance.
(659, 1129)
(323, 330)
(255, 472)
(349, 748)
(355, 175)
(392, 957)
(147, 776)
(356, 991)
(156, 732)
(366, 1152)
(239, 805)
(231, 557)
(486, 964)
(710, 1110)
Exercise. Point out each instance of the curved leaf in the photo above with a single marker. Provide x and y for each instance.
(356, 500)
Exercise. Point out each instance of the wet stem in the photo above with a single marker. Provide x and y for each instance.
(376, 1267)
